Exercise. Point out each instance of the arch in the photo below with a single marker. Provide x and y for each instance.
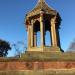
(36, 32)
(36, 26)
(47, 25)
(48, 40)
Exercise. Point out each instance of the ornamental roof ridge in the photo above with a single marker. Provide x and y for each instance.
(41, 5)
(41, 0)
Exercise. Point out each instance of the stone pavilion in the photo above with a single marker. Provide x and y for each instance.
(43, 18)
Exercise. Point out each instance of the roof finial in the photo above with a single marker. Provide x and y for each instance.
(41, 0)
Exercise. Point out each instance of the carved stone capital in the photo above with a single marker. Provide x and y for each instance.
(53, 20)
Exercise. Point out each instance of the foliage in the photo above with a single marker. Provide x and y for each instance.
(72, 46)
(19, 47)
(4, 47)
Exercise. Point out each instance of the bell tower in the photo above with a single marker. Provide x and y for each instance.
(43, 18)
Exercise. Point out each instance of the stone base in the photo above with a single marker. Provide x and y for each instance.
(26, 65)
(45, 49)
(21, 67)
(39, 63)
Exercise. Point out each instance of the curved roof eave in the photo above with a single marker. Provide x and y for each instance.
(41, 6)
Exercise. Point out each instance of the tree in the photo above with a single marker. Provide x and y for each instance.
(19, 47)
(4, 47)
(72, 46)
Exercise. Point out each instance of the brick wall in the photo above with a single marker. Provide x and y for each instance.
(24, 65)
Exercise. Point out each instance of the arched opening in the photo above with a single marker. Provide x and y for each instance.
(47, 33)
(36, 26)
(37, 33)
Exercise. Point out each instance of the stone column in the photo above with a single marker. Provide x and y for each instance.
(53, 32)
(42, 30)
(32, 42)
(50, 37)
(35, 39)
(29, 38)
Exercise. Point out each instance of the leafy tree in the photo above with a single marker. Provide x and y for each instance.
(4, 47)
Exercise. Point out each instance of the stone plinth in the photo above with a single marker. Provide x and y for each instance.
(44, 49)
(24, 65)
(39, 61)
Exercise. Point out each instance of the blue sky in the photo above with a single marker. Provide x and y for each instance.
(12, 15)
